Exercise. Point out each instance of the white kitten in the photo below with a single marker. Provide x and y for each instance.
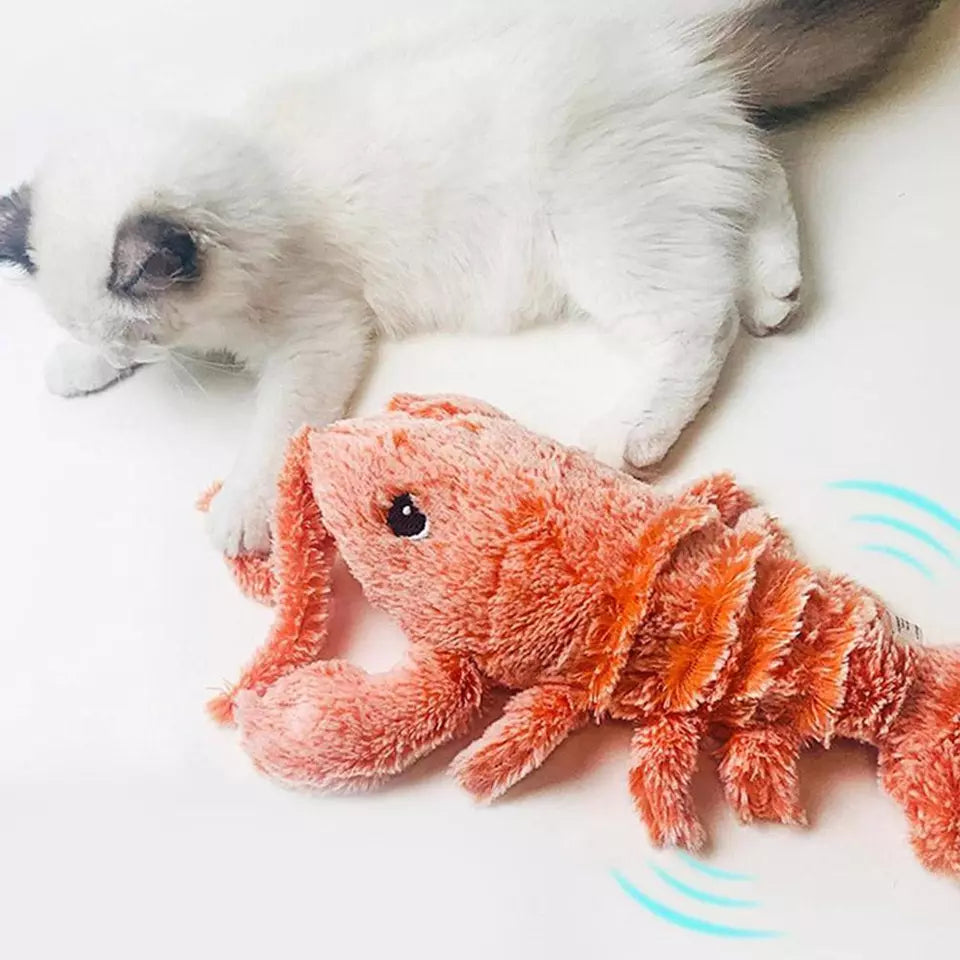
(558, 165)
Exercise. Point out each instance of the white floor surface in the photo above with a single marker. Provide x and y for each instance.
(131, 827)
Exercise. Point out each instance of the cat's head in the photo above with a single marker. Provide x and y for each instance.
(142, 242)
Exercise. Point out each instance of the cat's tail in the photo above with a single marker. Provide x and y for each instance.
(920, 759)
(791, 55)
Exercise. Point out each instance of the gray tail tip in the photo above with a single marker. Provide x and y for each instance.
(793, 55)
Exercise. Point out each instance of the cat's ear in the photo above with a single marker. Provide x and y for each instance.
(151, 254)
(14, 227)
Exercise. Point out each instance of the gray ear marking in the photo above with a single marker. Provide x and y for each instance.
(150, 255)
(14, 227)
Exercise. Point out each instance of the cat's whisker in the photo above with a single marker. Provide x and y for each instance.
(176, 379)
(206, 362)
(179, 365)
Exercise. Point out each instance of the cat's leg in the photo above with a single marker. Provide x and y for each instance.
(534, 723)
(665, 298)
(771, 288)
(74, 369)
(678, 365)
(650, 239)
(309, 379)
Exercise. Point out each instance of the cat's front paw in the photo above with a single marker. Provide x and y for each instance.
(646, 445)
(239, 517)
(74, 370)
(605, 439)
(620, 444)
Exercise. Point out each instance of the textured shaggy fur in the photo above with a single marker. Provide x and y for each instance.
(575, 160)
(592, 596)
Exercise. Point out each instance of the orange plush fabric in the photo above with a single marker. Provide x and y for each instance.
(513, 562)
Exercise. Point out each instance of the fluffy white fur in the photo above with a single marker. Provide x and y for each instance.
(557, 166)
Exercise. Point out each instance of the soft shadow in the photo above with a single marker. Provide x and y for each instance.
(437, 762)
(822, 772)
(578, 757)
(347, 607)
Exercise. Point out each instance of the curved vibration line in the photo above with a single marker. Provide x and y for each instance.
(900, 555)
(709, 871)
(908, 528)
(687, 922)
(696, 894)
(904, 495)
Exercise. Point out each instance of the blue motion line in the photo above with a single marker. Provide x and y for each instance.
(707, 870)
(683, 920)
(904, 495)
(896, 524)
(702, 895)
(900, 555)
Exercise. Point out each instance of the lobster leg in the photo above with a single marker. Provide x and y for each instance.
(534, 723)
(758, 770)
(663, 760)
(725, 494)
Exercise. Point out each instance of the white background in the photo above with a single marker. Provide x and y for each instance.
(131, 827)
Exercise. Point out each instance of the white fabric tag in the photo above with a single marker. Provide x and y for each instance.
(906, 632)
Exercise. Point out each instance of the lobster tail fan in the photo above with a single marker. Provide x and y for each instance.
(297, 574)
(920, 759)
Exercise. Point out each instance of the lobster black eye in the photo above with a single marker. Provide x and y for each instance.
(405, 520)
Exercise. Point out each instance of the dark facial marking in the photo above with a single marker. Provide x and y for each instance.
(14, 227)
(150, 255)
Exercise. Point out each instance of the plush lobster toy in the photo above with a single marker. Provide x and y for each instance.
(511, 561)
